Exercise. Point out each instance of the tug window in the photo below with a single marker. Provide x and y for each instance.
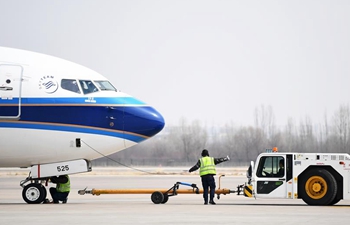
(271, 166)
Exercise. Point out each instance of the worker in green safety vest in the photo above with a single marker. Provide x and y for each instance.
(207, 171)
(61, 192)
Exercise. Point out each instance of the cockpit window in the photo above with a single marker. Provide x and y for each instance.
(87, 86)
(70, 85)
(104, 85)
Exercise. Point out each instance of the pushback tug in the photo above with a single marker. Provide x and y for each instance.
(316, 178)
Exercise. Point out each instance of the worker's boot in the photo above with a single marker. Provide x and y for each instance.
(47, 201)
(212, 202)
(65, 201)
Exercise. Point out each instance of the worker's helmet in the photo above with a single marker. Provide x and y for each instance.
(205, 153)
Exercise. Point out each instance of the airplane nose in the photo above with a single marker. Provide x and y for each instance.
(143, 120)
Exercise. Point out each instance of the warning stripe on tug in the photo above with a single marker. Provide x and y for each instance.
(248, 190)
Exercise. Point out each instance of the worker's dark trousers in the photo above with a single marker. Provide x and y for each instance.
(208, 181)
(58, 196)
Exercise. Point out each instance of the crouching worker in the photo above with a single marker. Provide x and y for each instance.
(61, 192)
(207, 171)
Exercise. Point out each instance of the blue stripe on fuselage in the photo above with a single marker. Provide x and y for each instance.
(108, 114)
(71, 128)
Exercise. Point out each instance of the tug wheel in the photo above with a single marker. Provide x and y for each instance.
(318, 187)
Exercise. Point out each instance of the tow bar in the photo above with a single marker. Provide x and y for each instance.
(162, 195)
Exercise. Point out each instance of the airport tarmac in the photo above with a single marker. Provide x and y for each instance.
(139, 209)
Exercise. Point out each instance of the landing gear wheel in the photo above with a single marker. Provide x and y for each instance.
(34, 193)
(318, 187)
(157, 197)
(166, 198)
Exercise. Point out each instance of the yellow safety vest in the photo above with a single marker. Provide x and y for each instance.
(64, 187)
(207, 166)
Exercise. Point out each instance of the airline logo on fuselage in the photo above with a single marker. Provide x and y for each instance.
(48, 84)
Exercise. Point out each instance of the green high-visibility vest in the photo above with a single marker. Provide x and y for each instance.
(207, 166)
(64, 187)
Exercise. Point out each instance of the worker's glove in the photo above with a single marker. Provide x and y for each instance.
(227, 158)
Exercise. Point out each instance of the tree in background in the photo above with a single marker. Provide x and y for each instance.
(341, 128)
(193, 139)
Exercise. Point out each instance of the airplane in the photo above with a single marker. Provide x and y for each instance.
(56, 116)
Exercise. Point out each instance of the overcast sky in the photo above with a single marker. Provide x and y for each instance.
(215, 61)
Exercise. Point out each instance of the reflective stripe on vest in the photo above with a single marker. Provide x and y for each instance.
(207, 166)
(64, 187)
